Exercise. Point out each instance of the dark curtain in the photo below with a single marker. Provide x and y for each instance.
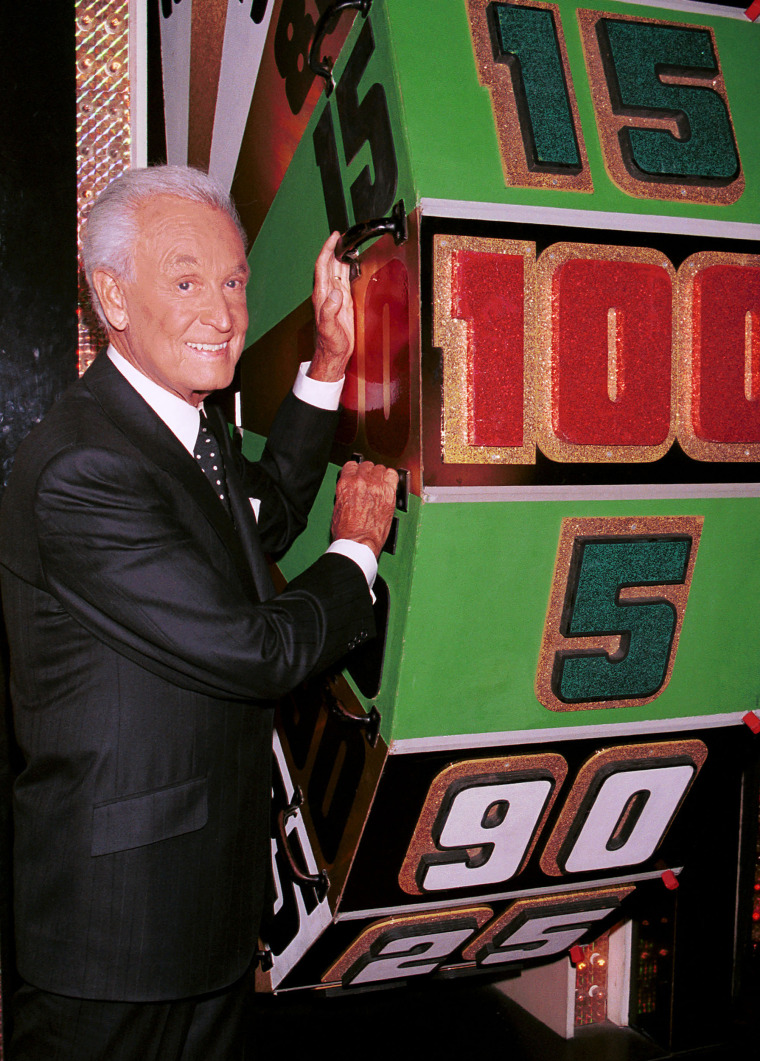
(37, 273)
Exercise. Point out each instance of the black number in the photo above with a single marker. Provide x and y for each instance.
(166, 7)
(292, 39)
(329, 170)
(367, 122)
(258, 10)
(364, 121)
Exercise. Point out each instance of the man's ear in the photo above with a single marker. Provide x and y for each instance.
(111, 294)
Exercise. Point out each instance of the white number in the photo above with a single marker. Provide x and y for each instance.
(648, 799)
(501, 818)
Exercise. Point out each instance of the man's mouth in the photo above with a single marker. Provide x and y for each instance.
(208, 348)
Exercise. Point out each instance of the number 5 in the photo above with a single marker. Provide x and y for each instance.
(618, 601)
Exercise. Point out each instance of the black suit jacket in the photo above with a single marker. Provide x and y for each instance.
(147, 648)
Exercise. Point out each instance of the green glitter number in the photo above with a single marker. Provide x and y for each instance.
(526, 39)
(635, 55)
(599, 570)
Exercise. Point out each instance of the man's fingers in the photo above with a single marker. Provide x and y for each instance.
(330, 273)
(365, 501)
(327, 253)
(374, 475)
(334, 314)
(322, 271)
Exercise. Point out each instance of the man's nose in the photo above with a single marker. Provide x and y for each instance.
(216, 310)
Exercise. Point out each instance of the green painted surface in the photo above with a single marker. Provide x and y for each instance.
(450, 128)
(482, 577)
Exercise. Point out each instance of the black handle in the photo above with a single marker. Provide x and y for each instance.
(370, 722)
(326, 23)
(320, 882)
(347, 248)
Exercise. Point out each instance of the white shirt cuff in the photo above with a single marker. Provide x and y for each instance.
(361, 555)
(315, 391)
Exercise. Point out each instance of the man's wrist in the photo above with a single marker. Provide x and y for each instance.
(320, 393)
(360, 554)
(326, 369)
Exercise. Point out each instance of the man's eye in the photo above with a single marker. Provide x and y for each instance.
(184, 285)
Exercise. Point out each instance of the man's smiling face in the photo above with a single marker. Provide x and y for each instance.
(182, 319)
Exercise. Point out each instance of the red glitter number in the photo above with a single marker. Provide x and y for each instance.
(487, 291)
(611, 353)
(726, 354)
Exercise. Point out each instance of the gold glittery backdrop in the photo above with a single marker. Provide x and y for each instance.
(103, 126)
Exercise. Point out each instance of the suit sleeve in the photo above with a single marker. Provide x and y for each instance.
(132, 565)
(288, 475)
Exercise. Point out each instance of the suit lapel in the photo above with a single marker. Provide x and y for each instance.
(158, 445)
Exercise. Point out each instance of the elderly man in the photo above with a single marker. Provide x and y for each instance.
(148, 644)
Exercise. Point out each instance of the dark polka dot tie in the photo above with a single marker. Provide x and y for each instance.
(209, 457)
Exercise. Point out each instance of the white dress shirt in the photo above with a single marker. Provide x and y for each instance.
(183, 420)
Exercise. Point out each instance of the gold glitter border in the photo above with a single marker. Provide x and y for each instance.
(693, 446)
(103, 129)
(548, 764)
(693, 751)
(496, 77)
(678, 595)
(478, 950)
(609, 124)
(367, 937)
(452, 335)
(557, 449)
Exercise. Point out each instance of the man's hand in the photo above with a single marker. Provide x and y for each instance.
(334, 314)
(365, 500)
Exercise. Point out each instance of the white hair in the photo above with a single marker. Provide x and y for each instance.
(111, 231)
